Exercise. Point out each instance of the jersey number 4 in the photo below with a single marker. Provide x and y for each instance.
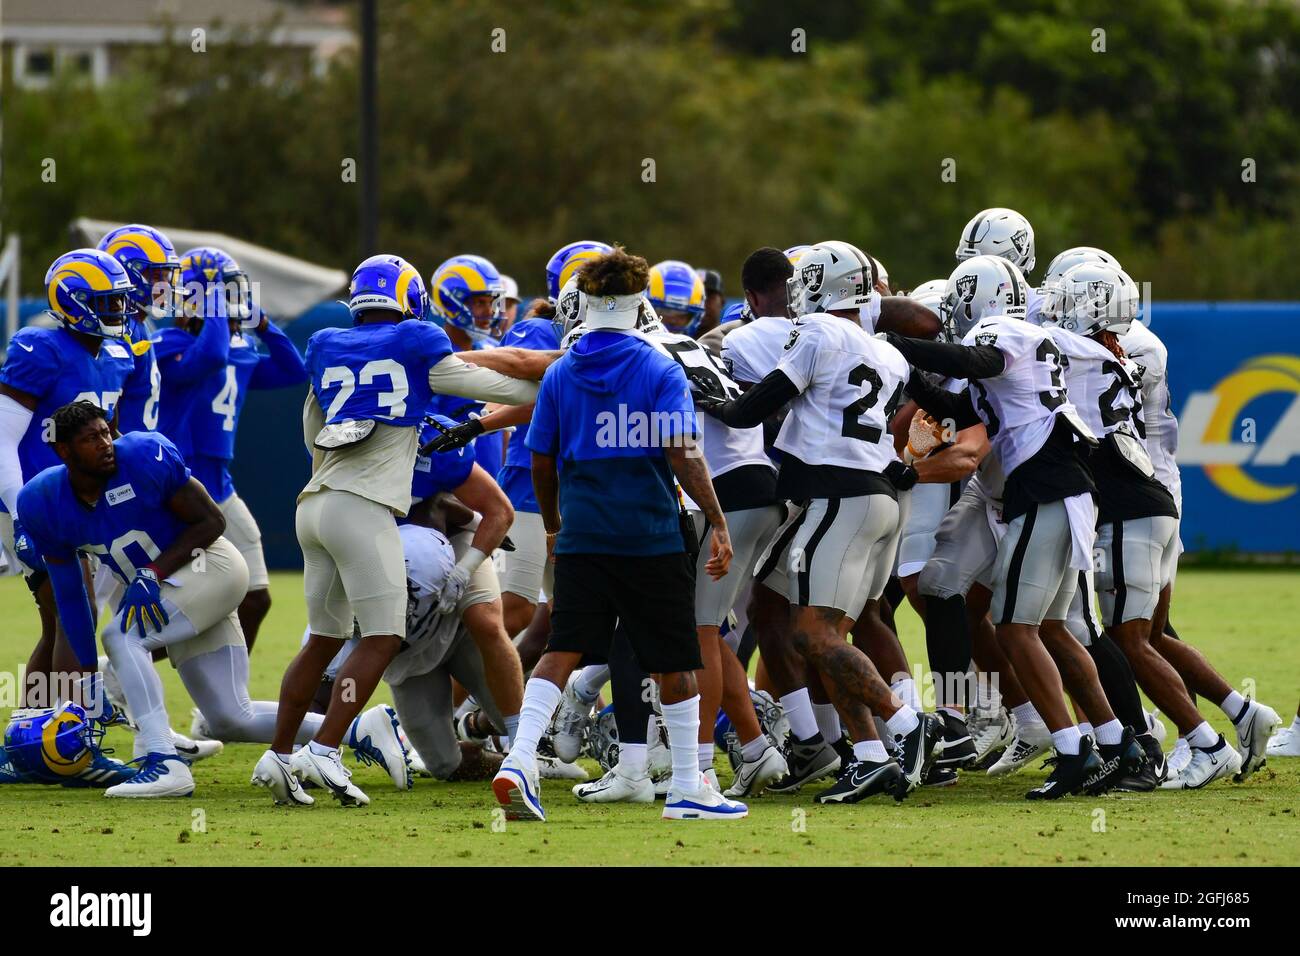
(394, 401)
(853, 426)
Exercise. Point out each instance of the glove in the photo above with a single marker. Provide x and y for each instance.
(901, 476)
(454, 587)
(449, 439)
(706, 390)
(142, 603)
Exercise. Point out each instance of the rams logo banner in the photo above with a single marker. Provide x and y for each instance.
(1234, 375)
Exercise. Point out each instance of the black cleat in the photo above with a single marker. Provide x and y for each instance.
(1069, 771)
(844, 747)
(1118, 762)
(956, 747)
(1153, 771)
(938, 776)
(808, 760)
(917, 752)
(860, 779)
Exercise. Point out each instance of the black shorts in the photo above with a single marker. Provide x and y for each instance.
(652, 597)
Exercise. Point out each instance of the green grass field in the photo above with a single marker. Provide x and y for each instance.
(1247, 621)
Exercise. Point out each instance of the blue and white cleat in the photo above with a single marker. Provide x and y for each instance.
(519, 790)
(375, 738)
(8, 772)
(102, 772)
(704, 803)
(160, 775)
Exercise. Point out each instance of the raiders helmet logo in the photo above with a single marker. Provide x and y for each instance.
(568, 303)
(811, 276)
(966, 288)
(1020, 239)
(1099, 293)
(986, 338)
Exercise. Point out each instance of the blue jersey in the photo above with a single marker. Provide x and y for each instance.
(487, 448)
(516, 475)
(55, 368)
(129, 526)
(377, 371)
(186, 361)
(440, 470)
(137, 411)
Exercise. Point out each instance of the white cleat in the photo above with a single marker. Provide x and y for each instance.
(990, 731)
(199, 729)
(274, 774)
(374, 738)
(328, 773)
(753, 775)
(1253, 732)
(1207, 765)
(1285, 743)
(160, 775)
(1179, 757)
(1156, 726)
(570, 722)
(195, 750)
(614, 787)
(703, 803)
(1028, 743)
(553, 768)
(519, 789)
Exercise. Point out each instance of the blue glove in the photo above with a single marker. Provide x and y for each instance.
(143, 603)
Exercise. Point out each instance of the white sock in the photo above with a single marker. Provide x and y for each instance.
(589, 682)
(1234, 706)
(870, 750)
(753, 749)
(512, 728)
(798, 711)
(986, 694)
(1295, 723)
(321, 750)
(706, 756)
(283, 758)
(1026, 714)
(1067, 741)
(143, 690)
(1086, 728)
(1111, 732)
(682, 720)
(828, 722)
(903, 722)
(905, 688)
(631, 759)
(1203, 735)
(541, 697)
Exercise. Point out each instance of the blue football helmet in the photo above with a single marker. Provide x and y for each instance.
(90, 292)
(51, 745)
(737, 310)
(567, 260)
(677, 293)
(150, 260)
(390, 283)
(455, 283)
(206, 266)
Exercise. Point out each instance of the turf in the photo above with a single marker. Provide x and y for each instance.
(1245, 621)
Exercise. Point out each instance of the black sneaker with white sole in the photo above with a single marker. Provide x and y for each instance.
(1069, 771)
(956, 747)
(1118, 762)
(1150, 774)
(844, 747)
(917, 752)
(938, 776)
(808, 760)
(861, 779)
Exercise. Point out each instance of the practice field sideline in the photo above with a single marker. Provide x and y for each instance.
(1247, 621)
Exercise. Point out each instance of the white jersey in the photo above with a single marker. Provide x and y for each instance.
(1143, 346)
(869, 314)
(1034, 306)
(1020, 405)
(751, 352)
(725, 448)
(850, 385)
(1105, 390)
(429, 635)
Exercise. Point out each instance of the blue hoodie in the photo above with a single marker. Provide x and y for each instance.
(606, 410)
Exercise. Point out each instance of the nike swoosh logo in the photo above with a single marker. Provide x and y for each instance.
(159, 458)
(27, 347)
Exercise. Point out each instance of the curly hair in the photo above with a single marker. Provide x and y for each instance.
(617, 272)
(73, 417)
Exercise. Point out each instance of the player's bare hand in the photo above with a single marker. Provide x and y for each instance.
(719, 552)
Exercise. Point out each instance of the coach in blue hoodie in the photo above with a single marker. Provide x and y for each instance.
(614, 421)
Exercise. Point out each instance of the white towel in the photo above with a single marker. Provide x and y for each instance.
(1082, 514)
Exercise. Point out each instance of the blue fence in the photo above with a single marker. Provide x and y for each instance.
(1235, 376)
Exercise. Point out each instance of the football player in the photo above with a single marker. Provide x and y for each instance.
(1008, 235)
(370, 387)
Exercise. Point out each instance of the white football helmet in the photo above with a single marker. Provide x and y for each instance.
(882, 274)
(999, 232)
(570, 307)
(830, 275)
(981, 287)
(1092, 297)
(1067, 260)
(929, 293)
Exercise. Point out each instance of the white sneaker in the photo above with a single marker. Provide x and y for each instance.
(195, 750)
(1179, 757)
(160, 775)
(1285, 743)
(273, 773)
(328, 773)
(553, 768)
(1029, 742)
(703, 803)
(1207, 764)
(199, 729)
(1156, 726)
(614, 787)
(518, 789)
(990, 731)
(753, 775)
(1253, 732)
(413, 758)
(570, 722)
(374, 738)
